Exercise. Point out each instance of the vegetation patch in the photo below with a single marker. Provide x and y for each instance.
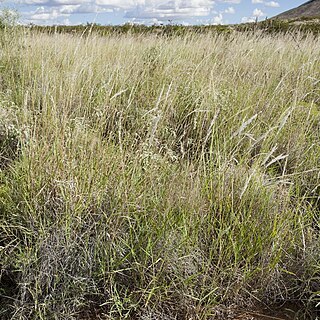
(159, 175)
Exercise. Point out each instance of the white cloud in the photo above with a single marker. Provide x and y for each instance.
(258, 13)
(247, 19)
(170, 9)
(84, 8)
(217, 19)
(272, 4)
(49, 14)
(230, 10)
(161, 10)
(123, 4)
(141, 11)
(35, 2)
(231, 1)
(52, 3)
(46, 14)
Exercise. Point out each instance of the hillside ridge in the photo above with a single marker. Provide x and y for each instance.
(308, 9)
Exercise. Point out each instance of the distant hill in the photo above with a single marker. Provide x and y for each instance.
(310, 9)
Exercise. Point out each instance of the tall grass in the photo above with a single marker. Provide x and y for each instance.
(146, 177)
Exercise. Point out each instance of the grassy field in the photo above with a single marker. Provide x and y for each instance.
(153, 177)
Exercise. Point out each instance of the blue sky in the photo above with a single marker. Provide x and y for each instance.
(70, 12)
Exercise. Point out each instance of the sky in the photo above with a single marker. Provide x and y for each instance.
(113, 12)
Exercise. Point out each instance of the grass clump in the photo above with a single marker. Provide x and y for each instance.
(158, 177)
